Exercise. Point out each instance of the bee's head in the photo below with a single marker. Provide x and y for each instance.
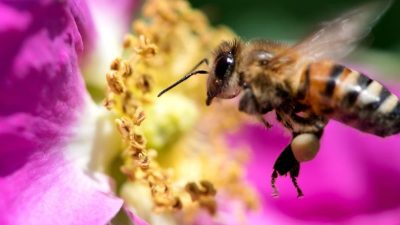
(223, 81)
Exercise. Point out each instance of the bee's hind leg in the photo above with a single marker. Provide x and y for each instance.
(286, 163)
(303, 147)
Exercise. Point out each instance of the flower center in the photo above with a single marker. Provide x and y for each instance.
(172, 145)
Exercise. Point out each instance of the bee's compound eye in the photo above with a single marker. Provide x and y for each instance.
(223, 66)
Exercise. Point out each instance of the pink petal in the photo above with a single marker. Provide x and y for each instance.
(134, 218)
(49, 191)
(113, 20)
(42, 96)
(42, 91)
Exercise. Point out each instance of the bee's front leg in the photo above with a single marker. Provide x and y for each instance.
(248, 104)
(303, 147)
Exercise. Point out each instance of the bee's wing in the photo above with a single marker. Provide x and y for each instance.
(336, 38)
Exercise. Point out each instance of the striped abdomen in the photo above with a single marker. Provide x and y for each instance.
(350, 97)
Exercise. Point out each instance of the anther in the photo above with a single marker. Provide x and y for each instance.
(115, 65)
(123, 127)
(109, 101)
(126, 69)
(144, 83)
(114, 83)
(210, 204)
(177, 204)
(139, 117)
(208, 188)
(128, 41)
(193, 190)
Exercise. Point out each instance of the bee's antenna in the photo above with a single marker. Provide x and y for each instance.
(181, 80)
(187, 76)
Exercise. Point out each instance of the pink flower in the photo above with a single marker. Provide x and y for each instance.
(48, 124)
(43, 102)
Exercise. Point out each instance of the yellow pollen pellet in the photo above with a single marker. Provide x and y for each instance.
(305, 147)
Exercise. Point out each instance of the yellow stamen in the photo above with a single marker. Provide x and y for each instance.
(167, 42)
(114, 82)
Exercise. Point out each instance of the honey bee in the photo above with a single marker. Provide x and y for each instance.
(304, 85)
